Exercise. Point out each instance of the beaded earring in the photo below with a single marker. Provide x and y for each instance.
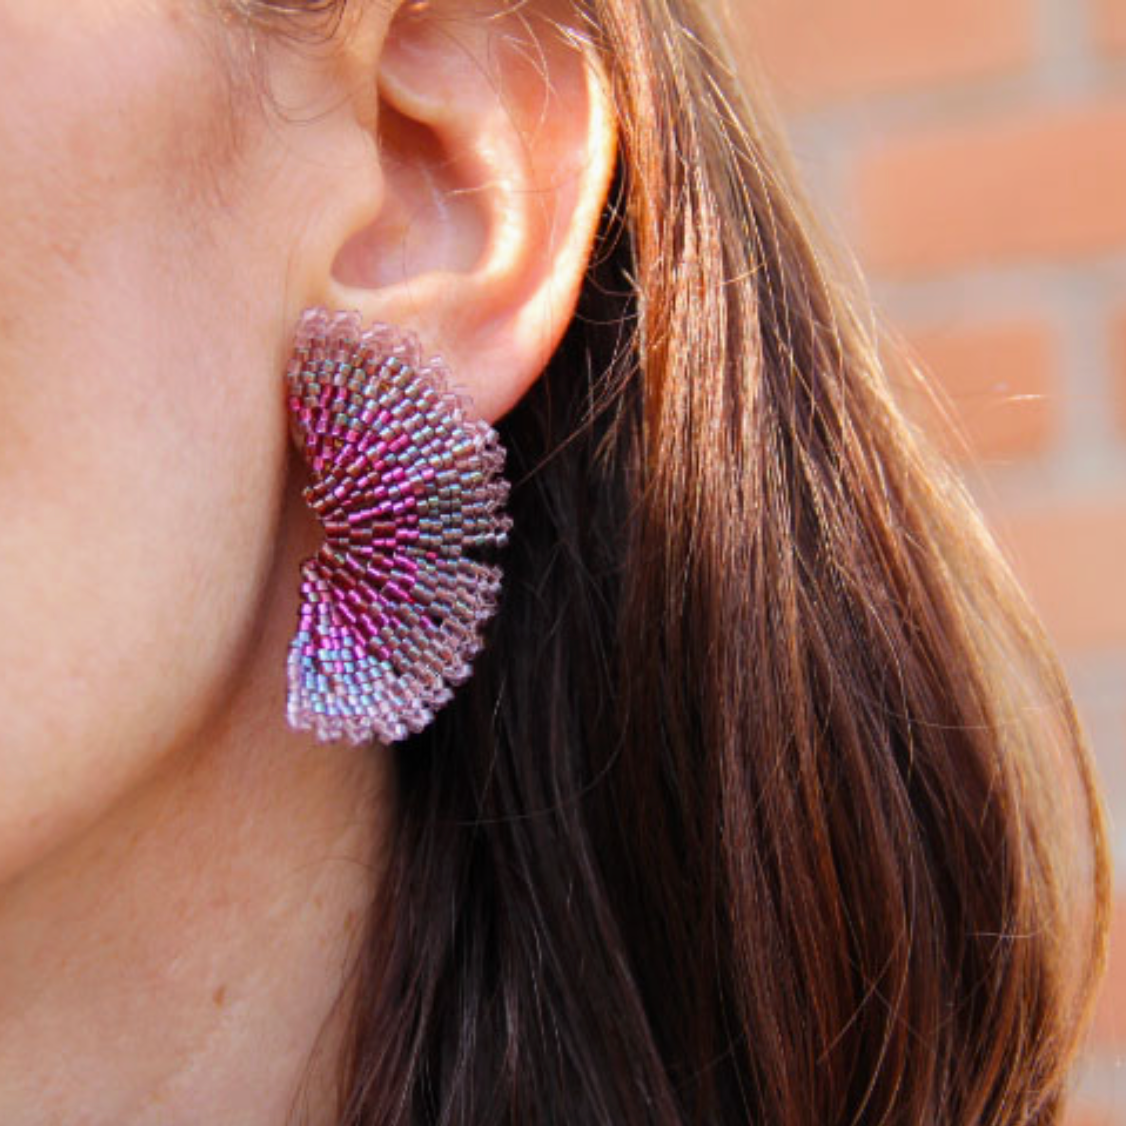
(405, 485)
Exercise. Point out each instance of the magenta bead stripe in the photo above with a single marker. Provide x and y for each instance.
(406, 484)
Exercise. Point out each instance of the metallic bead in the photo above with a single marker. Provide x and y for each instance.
(407, 487)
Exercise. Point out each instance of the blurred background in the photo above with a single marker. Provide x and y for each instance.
(972, 153)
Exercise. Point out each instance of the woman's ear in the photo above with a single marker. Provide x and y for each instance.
(496, 148)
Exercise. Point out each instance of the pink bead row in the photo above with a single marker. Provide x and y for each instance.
(404, 483)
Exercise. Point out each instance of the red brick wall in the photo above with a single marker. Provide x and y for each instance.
(973, 154)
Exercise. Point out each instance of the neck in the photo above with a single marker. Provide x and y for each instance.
(179, 961)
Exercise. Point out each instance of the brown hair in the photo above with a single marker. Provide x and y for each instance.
(767, 802)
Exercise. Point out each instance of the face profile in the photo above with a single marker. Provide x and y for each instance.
(479, 639)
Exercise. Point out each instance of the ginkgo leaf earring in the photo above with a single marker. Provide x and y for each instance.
(406, 486)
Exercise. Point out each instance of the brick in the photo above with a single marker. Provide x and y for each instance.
(821, 50)
(1000, 383)
(1039, 185)
(1108, 1030)
(1069, 557)
(1110, 26)
(1118, 356)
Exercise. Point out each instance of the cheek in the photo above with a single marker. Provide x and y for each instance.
(143, 423)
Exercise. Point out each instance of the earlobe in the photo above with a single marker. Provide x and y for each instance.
(496, 145)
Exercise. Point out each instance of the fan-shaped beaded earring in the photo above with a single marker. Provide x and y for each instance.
(406, 485)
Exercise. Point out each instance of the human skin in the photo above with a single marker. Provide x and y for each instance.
(181, 877)
(169, 854)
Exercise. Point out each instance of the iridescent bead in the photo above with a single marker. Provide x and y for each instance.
(405, 483)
